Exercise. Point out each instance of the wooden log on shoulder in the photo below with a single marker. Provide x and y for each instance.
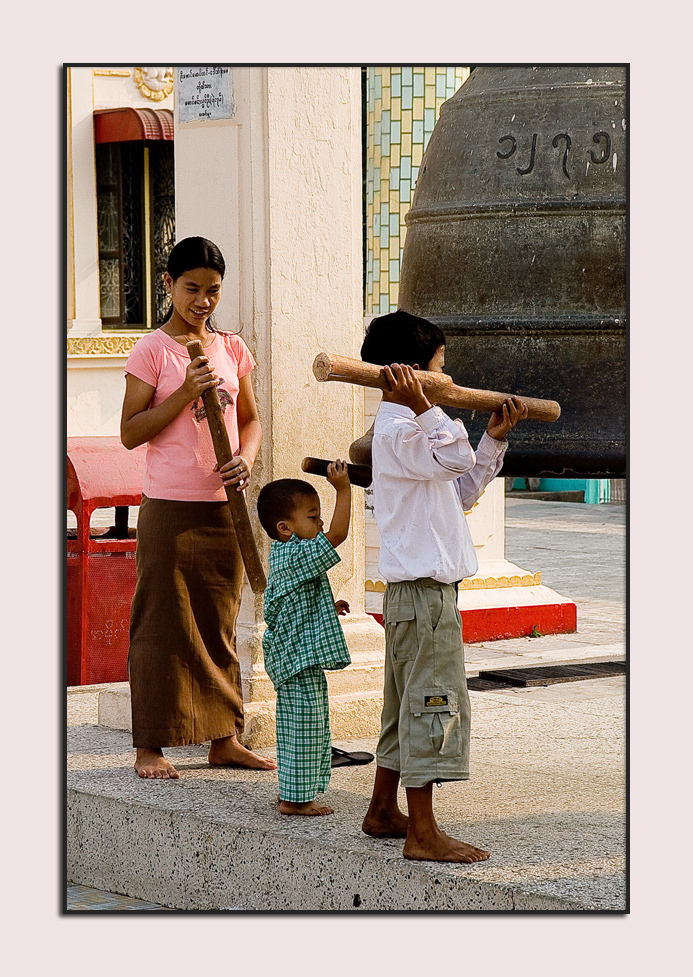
(329, 366)
(239, 510)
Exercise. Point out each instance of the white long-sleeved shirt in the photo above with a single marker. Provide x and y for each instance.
(425, 474)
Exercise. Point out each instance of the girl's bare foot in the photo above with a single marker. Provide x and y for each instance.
(310, 809)
(153, 765)
(228, 752)
(439, 847)
(385, 824)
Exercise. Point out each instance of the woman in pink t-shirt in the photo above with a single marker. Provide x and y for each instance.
(184, 672)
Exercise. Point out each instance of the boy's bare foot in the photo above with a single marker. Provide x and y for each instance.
(386, 824)
(153, 765)
(310, 809)
(228, 752)
(439, 847)
(383, 818)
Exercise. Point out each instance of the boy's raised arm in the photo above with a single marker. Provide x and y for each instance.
(338, 477)
(431, 446)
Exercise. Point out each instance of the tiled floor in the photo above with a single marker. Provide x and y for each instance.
(81, 897)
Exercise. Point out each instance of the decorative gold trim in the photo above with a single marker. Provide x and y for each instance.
(118, 72)
(101, 345)
(375, 587)
(495, 583)
(475, 583)
(155, 93)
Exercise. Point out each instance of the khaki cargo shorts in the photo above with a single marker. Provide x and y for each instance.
(425, 722)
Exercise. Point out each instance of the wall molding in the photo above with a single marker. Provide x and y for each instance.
(101, 345)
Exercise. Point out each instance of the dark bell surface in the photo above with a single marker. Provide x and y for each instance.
(516, 248)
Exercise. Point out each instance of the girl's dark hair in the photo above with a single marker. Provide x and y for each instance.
(277, 500)
(400, 337)
(191, 253)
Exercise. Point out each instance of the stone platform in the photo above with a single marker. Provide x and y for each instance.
(546, 794)
(546, 797)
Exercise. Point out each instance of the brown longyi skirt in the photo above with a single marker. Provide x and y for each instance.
(184, 674)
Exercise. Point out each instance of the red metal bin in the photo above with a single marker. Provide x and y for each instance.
(101, 574)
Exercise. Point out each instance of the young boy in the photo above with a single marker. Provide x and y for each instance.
(425, 474)
(303, 633)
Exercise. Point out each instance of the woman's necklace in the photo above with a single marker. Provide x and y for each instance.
(183, 338)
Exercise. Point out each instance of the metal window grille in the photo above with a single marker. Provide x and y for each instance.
(136, 231)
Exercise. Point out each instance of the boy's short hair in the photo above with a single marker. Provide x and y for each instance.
(400, 337)
(277, 500)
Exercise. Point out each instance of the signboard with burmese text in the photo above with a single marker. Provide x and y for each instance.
(204, 94)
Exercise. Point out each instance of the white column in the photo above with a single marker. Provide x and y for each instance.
(82, 213)
(278, 188)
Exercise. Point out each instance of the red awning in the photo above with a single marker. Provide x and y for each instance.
(133, 125)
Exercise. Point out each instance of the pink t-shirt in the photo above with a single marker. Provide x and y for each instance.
(180, 459)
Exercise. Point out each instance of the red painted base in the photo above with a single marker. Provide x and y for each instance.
(496, 623)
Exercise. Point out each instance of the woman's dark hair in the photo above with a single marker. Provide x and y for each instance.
(400, 337)
(277, 500)
(191, 253)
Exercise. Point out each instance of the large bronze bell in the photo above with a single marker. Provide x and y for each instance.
(516, 248)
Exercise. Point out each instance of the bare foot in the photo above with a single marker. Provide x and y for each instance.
(387, 824)
(310, 809)
(439, 847)
(228, 752)
(153, 765)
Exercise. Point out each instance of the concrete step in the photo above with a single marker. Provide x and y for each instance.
(352, 715)
(546, 798)
(569, 495)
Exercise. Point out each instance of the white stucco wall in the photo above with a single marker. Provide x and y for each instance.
(94, 379)
(278, 188)
(96, 385)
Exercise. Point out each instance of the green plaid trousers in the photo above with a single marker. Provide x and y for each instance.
(304, 747)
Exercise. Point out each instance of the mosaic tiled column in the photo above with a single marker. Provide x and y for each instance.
(402, 105)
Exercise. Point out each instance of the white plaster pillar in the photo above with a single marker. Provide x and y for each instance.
(278, 188)
(81, 173)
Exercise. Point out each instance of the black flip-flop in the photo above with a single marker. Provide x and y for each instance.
(340, 758)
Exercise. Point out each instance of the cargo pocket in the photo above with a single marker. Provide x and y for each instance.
(434, 724)
(400, 630)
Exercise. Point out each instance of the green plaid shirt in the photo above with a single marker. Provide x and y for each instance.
(303, 627)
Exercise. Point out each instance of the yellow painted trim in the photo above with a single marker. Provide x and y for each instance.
(119, 72)
(475, 583)
(102, 345)
(71, 283)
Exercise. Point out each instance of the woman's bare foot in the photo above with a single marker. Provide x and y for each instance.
(439, 847)
(310, 809)
(385, 824)
(228, 752)
(153, 765)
